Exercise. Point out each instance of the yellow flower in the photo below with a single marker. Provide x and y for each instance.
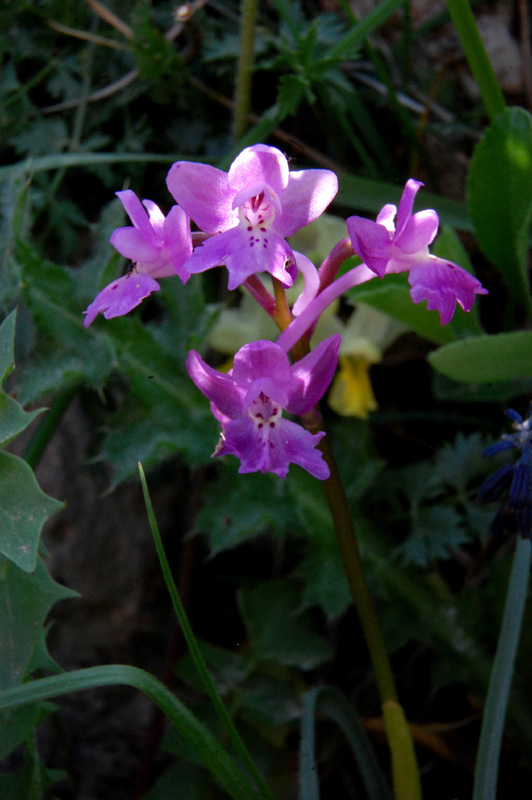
(365, 337)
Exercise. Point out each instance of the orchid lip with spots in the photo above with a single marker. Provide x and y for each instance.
(249, 401)
(250, 210)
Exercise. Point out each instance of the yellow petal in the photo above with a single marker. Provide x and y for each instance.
(351, 393)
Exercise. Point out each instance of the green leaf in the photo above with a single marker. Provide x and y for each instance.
(7, 338)
(292, 89)
(25, 601)
(24, 508)
(17, 723)
(336, 706)
(221, 766)
(436, 532)
(392, 296)
(460, 462)
(294, 643)
(321, 570)
(500, 197)
(486, 359)
(13, 419)
(239, 507)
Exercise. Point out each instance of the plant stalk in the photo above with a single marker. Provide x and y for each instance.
(242, 106)
(487, 766)
(405, 770)
(476, 55)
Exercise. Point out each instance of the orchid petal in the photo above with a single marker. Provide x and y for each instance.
(418, 232)
(133, 244)
(312, 375)
(121, 296)
(287, 443)
(156, 217)
(406, 204)
(203, 192)
(259, 163)
(220, 389)
(386, 217)
(261, 359)
(135, 211)
(307, 195)
(244, 254)
(443, 284)
(372, 242)
(178, 240)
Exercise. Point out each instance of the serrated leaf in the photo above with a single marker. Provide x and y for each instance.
(458, 463)
(7, 339)
(24, 508)
(17, 723)
(13, 418)
(499, 191)
(239, 507)
(278, 630)
(25, 601)
(486, 359)
(436, 532)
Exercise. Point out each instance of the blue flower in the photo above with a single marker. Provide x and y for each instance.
(512, 481)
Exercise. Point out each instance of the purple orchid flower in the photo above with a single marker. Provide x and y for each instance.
(404, 247)
(252, 209)
(157, 245)
(249, 401)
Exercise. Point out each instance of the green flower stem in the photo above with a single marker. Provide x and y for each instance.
(195, 652)
(221, 766)
(476, 55)
(242, 107)
(487, 766)
(406, 778)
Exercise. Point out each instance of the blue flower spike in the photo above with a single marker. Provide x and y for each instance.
(515, 512)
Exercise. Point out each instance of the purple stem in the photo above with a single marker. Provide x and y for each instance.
(257, 289)
(334, 261)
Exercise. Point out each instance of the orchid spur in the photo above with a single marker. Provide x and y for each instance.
(158, 247)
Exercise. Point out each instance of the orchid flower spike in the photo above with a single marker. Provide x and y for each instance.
(252, 209)
(404, 247)
(158, 246)
(249, 401)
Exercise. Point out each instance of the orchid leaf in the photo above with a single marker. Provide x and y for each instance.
(500, 197)
(486, 359)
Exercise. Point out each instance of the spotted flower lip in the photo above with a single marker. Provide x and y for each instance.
(249, 401)
(251, 208)
(157, 246)
(404, 247)
(512, 482)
